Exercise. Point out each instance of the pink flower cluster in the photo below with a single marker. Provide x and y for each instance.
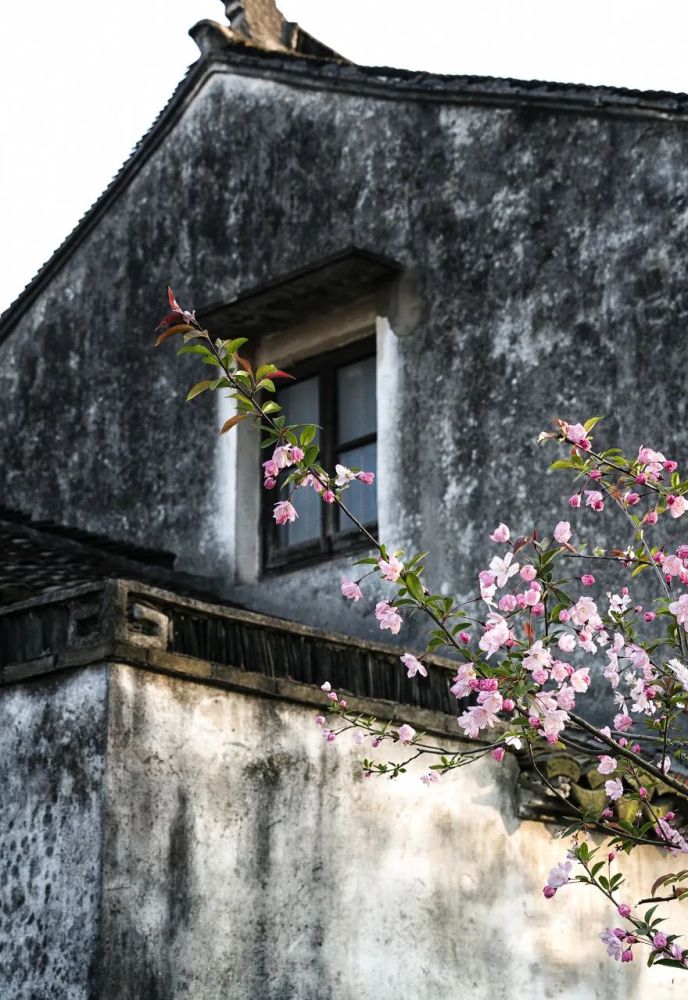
(283, 457)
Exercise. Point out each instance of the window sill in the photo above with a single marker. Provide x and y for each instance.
(310, 554)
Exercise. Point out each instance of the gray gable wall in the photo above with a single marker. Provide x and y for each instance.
(549, 239)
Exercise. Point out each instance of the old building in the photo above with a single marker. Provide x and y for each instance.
(447, 263)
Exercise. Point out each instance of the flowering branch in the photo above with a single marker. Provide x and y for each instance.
(511, 678)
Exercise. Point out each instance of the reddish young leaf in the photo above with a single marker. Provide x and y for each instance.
(281, 374)
(232, 422)
(171, 331)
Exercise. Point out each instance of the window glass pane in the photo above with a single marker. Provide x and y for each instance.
(306, 527)
(359, 498)
(300, 405)
(356, 415)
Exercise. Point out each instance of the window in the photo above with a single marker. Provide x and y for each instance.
(337, 392)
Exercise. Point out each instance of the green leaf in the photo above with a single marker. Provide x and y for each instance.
(307, 435)
(310, 454)
(589, 424)
(198, 389)
(193, 349)
(265, 370)
(232, 346)
(415, 587)
(564, 463)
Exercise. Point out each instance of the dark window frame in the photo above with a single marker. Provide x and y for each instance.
(332, 541)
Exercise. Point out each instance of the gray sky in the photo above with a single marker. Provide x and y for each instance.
(83, 80)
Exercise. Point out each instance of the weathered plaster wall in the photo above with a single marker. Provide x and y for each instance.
(52, 762)
(550, 247)
(244, 858)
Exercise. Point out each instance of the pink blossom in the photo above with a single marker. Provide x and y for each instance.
(595, 474)
(498, 754)
(366, 477)
(679, 608)
(646, 456)
(564, 615)
(538, 609)
(677, 505)
(413, 665)
(502, 569)
(580, 680)
(538, 657)
(282, 456)
(614, 947)
(613, 789)
(575, 500)
(649, 616)
(296, 453)
(553, 722)
(283, 512)
(567, 643)
(562, 532)
(680, 672)
(320, 720)
(464, 637)
(659, 941)
(406, 733)
(494, 637)
(475, 718)
(587, 579)
(351, 590)
(391, 569)
(559, 875)
(670, 466)
(560, 671)
(622, 722)
(328, 496)
(461, 687)
(632, 499)
(271, 468)
(624, 910)
(531, 596)
(344, 475)
(508, 705)
(507, 603)
(576, 434)
(672, 565)
(607, 764)
(269, 483)
(388, 617)
(594, 500)
(585, 611)
(566, 698)
(429, 778)
(528, 572)
(501, 534)
(650, 517)
(627, 955)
